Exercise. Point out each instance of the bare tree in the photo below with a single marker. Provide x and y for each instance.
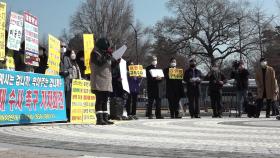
(208, 29)
(108, 18)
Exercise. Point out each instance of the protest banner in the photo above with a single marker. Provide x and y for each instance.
(2, 29)
(176, 73)
(31, 98)
(88, 47)
(31, 40)
(15, 31)
(82, 103)
(54, 56)
(136, 71)
(123, 71)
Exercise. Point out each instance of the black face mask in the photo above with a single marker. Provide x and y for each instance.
(192, 65)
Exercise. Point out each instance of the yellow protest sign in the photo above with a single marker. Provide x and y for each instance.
(82, 103)
(2, 29)
(176, 73)
(54, 56)
(10, 63)
(88, 47)
(135, 70)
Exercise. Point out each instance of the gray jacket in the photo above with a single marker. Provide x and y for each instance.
(101, 71)
(71, 71)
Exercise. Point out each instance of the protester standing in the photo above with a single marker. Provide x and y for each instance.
(266, 86)
(72, 71)
(192, 78)
(216, 81)
(101, 78)
(153, 91)
(134, 87)
(174, 90)
(241, 77)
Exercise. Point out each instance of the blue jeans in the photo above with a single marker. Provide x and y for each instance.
(241, 96)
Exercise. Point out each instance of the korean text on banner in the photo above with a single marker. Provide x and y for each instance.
(135, 70)
(88, 47)
(2, 29)
(31, 39)
(31, 98)
(82, 103)
(15, 31)
(176, 73)
(54, 56)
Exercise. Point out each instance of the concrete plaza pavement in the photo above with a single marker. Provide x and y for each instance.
(205, 137)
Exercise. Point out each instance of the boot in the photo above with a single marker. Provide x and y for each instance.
(100, 120)
(106, 119)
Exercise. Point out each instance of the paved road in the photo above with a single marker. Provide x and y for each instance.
(206, 137)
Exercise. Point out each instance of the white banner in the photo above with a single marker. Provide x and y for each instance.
(15, 31)
(31, 39)
(123, 71)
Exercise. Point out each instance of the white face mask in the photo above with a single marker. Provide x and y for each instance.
(264, 64)
(63, 50)
(154, 63)
(173, 64)
(73, 56)
(215, 69)
(82, 59)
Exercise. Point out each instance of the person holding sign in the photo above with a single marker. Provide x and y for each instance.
(101, 78)
(192, 78)
(134, 87)
(216, 81)
(72, 71)
(174, 90)
(153, 90)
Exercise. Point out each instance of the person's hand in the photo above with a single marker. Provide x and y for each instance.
(158, 78)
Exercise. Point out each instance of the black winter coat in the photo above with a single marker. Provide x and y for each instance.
(152, 83)
(174, 87)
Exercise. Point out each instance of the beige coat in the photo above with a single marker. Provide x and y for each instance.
(101, 75)
(269, 82)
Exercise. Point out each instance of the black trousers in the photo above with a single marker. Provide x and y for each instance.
(216, 104)
(150, 106)
(194, 105)
(131, 104)
(260, 106)
(275, 110)
(173, 106)
(68, 104)
(101, 101)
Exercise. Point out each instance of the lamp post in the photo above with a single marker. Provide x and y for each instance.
(239, 33)
(135, 31)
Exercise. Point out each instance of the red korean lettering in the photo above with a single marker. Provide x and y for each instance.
(12, 99)
(28, 99)
(3, 93)
(35, 99)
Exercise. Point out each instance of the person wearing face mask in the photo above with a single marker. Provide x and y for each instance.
(73, 72)
(266, 86)
(101, 78)
(241, 77)
(192, 78)
(43, 64)
(216, 81)
(153, 91)
(174, 90)
(63, 49)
